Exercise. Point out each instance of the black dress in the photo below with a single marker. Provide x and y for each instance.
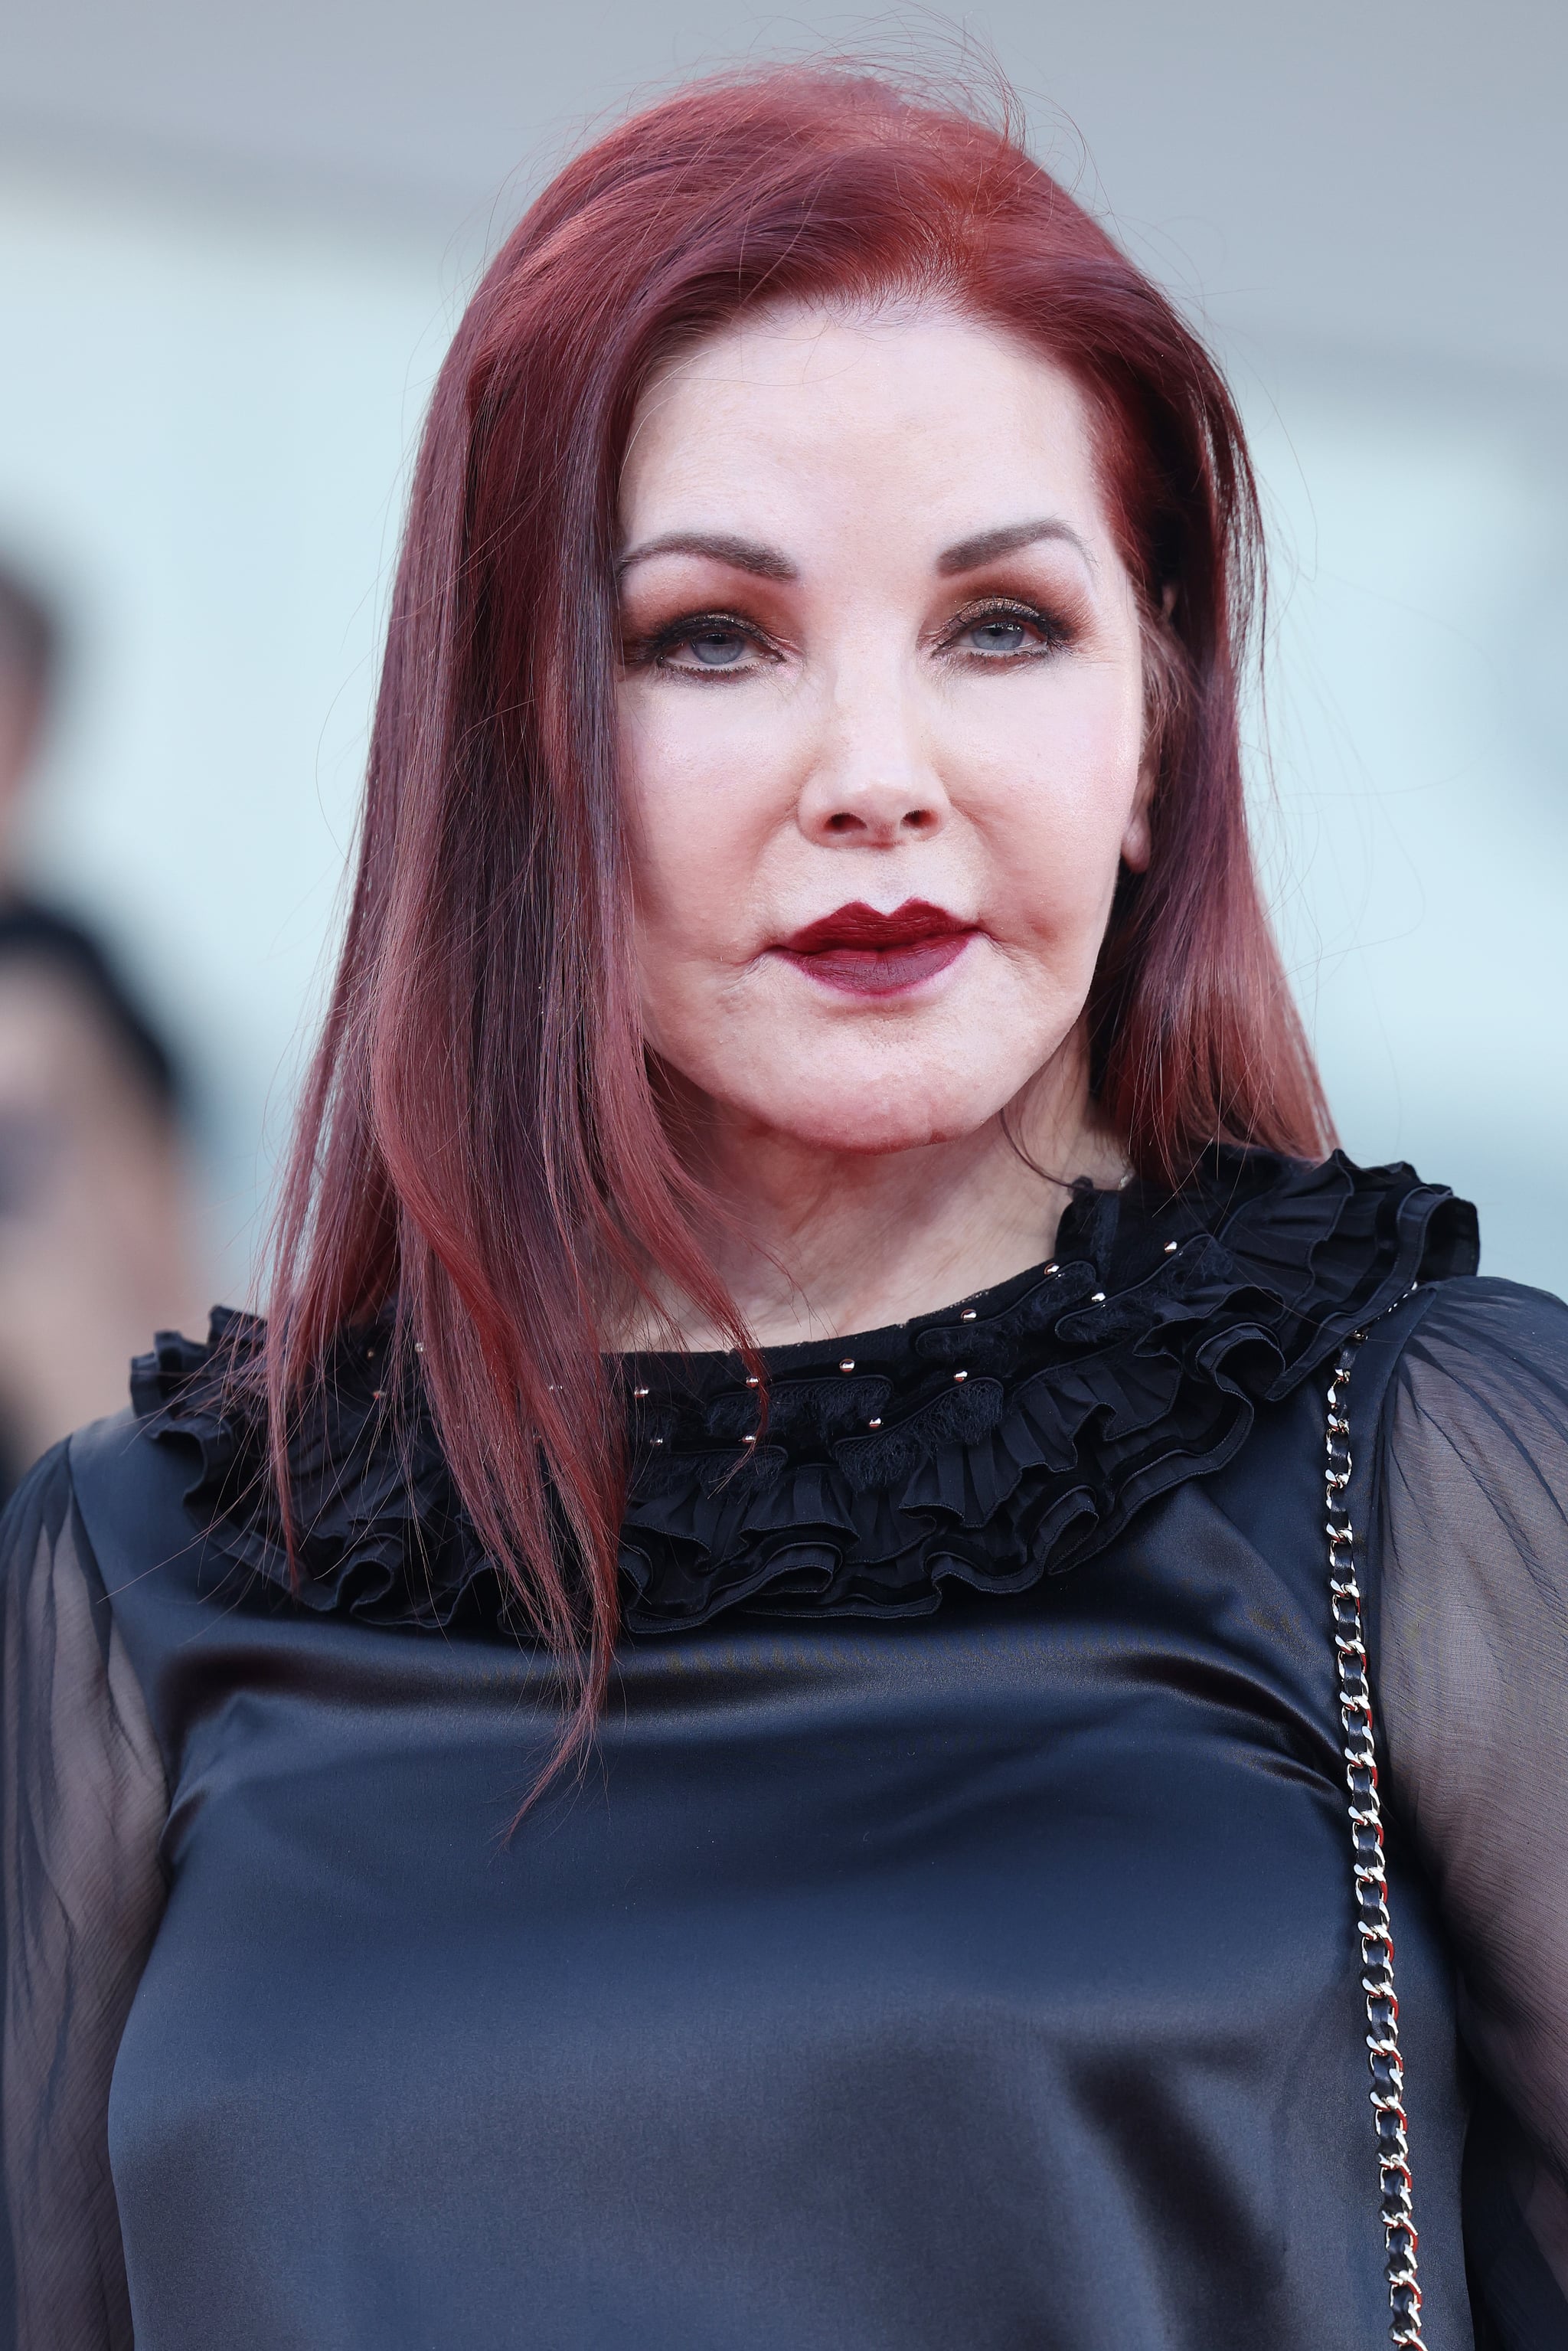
(950, 1947)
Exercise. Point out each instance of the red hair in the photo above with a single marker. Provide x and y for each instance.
(480, 1144)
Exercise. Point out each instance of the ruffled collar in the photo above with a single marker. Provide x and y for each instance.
(1005, 1439)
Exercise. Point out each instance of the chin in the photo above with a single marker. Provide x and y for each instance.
(850, 1117)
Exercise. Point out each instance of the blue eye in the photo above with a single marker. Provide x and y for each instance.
(717, 648)
(707, 644)
(998, 636)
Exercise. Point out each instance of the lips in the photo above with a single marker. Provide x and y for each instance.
(864, 952)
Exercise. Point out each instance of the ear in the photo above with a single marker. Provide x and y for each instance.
(1136, 843)
(1159, 685)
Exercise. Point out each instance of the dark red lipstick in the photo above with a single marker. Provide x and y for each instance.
(865, 953)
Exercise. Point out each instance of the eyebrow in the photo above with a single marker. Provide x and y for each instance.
(740, 554)
(969, 554)
(766, 562)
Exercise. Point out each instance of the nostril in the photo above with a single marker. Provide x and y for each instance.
(919, 820)
(842, 822)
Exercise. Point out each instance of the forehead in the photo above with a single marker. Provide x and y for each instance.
(805, 407)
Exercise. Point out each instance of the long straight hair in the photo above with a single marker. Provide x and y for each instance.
(480, 1147)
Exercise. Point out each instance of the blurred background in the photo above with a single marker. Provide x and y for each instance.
(232, 245)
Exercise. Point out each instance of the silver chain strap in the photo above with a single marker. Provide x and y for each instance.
(1371, 1877)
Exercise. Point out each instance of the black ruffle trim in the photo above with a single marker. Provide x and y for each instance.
(1005, 1439)
(378, 1531)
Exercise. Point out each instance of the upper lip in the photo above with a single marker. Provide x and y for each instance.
(860, 926)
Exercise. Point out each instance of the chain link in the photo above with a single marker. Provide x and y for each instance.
(1371, 1880)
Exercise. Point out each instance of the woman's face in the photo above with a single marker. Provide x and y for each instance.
(882, 722)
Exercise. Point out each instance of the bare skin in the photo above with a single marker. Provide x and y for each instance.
(881, 652)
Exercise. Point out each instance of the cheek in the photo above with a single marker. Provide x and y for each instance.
(698, 842)
(1053, 793)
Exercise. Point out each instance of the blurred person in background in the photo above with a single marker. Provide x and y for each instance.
(96, 1223)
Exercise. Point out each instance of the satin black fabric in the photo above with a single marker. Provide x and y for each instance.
(951, 1940)
(983, 1979)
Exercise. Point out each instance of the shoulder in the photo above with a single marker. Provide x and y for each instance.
(118, 1478)
(127, 1484)
(109, 1463)
(102, 1497)
(1483, 1337)
(367, 1522)
(1478, 1311)
(34, 1513)
(49, 1563)
(131, 1477)
(1477, 1424)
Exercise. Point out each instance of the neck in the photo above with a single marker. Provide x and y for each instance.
(815, 1243)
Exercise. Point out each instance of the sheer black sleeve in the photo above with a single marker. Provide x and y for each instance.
(84, 1803)
(1473, 1669)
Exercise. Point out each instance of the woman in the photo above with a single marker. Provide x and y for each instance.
(807, 1291)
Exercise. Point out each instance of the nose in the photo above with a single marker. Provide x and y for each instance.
(871, 782)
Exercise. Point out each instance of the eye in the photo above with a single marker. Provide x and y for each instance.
(714, 648)
(1004, 630)
(702, 644)
(997, 636)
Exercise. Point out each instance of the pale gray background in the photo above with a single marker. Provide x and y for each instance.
(232, 241)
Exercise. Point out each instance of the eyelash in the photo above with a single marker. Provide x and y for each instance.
(654, 652)
(1054, 630)
(651, 652)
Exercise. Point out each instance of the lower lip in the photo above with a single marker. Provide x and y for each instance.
(881, 971)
